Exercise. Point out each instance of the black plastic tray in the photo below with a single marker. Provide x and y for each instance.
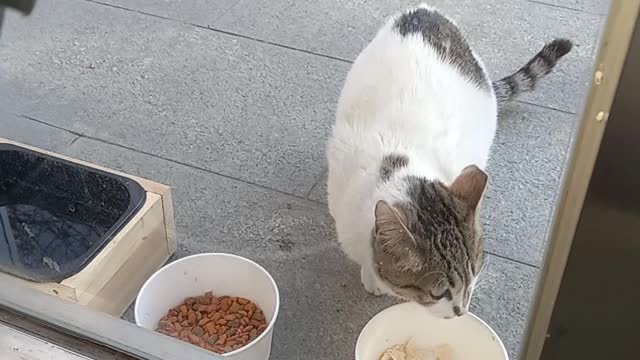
(56, 215)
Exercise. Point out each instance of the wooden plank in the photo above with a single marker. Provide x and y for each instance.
(89, 282)
(169, 222)
(145, 256)
(54, 289)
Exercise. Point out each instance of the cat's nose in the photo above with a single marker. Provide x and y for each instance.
(459, 311)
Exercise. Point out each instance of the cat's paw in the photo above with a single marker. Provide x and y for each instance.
(370, 282)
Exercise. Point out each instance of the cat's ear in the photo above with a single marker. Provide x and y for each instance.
(392, 237)
(470, 185)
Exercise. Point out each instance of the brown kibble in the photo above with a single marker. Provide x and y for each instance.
(198, 331)
(234, 308)
(217, 324)
(163, 323)
(191, 317)
(234, 323)
(204, 300)
(194, 339)
(211, 328)
(258, 316)
(243, 301)
(225, 304)
(255, 323)
(213, 339)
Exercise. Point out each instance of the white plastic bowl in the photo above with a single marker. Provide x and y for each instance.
(470, 337)
(224, 274)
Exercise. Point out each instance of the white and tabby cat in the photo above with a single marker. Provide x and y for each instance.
(414, 127)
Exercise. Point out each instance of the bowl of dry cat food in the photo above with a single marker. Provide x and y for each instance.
(408, 331)
(220, 302)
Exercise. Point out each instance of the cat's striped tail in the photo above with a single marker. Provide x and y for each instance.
(526, 79)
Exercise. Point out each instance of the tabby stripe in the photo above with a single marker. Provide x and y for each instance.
(440, 251)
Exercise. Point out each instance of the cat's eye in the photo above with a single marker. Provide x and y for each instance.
(411, 288)
(445, 294)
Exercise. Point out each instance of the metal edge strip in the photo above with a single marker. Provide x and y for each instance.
(81, 322)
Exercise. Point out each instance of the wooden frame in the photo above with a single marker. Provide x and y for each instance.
(111, 281)
(616, 40)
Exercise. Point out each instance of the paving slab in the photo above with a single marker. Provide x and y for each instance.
(238, 107)
(214, 213)
(528, 159)
(324, 306)
(592, 6)
(505, 33)
(503, 299)
(525, 169)
(32, 133)
(201, 12)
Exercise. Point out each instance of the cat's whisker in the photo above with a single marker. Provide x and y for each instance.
(485, 280)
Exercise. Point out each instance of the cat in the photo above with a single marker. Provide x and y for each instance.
(414, 126)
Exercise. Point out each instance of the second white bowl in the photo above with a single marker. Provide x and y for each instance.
(470, 337)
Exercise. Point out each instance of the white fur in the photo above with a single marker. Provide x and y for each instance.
(399, 97)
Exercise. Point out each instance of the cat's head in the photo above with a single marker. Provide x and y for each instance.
(428, 249)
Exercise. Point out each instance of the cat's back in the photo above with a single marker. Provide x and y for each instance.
(416, 89)
(419, 64)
